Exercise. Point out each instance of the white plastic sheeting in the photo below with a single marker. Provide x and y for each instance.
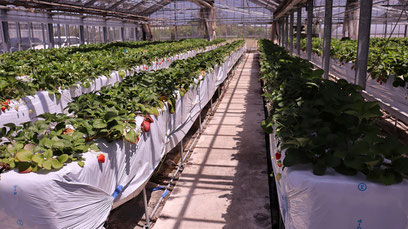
(336, 201)
(75, 197)
(43, 102)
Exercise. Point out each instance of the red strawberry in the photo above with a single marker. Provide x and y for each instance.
(101, 158)
(145, 126)
(278, 155)
(148, 118)
(3, 109)
(279, 163)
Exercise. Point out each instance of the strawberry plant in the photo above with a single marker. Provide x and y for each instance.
(324, 123)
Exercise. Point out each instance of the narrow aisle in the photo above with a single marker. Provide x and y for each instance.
(225, 182)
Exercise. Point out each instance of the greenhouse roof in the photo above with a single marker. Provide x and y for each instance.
(138, 10)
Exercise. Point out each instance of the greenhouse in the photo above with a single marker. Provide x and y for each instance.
(196, 114)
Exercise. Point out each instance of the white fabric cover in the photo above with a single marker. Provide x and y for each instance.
(43, 102)
(336, 201)
(75, 197)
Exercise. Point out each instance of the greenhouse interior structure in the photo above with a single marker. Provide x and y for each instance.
(203, 114)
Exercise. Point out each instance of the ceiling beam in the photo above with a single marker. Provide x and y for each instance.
(48, 5)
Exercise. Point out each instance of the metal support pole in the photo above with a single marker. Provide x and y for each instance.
(30, 34)
(363, 42)
(5, 34)
(327, 37)
(105, 33)
(291, 32)
(298, 29)
(51, 42)
(146, 209)
(18, 27)
(309, 29)
(281, 32)
(59, 35)
(81, 31)
(136, 33)
(211, 106)
(199, 123)
(67, 35)
(43, 35)
(287, 32)
(181, 153)
(122, 33)
(405, 31)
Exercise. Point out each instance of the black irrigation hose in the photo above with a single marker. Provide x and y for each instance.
(273, 194)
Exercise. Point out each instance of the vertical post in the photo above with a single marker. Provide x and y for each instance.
(291, 31)
(281, 32)
(67, 35)
(18, 30)
(309, 29)
(298, 29)
(81, 31)
(287, 32)
(105, 33)
(136, 34)
(51, 41)
(327, 37)
(43, 35)
(5, 28)
(146, 209)
(405, 31)
(30, 34)
(122, 33)
(199, 123)
(181, 153)
(59, 35)
(363, 42)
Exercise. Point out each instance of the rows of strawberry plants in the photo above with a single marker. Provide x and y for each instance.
(23, 73)
(57, 139)
(385, 60)
(325, 123)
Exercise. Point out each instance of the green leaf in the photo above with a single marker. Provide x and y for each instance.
(56, 164)
(99, 124)
(132, 136)
(37, 157)
(24, 155)
(48, 154)
(63, 158)
(47, 164)
(81, 163)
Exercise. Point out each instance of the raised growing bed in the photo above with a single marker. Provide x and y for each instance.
(333, 167)
(30, 106)
(75, 197)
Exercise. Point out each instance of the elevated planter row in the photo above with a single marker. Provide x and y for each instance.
(32, 106)
(75, 197)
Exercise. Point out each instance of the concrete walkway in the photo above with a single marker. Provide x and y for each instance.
(225, 182)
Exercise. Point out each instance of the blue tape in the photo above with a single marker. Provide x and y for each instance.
(165, 193)
(117, 191)
(158, 188)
